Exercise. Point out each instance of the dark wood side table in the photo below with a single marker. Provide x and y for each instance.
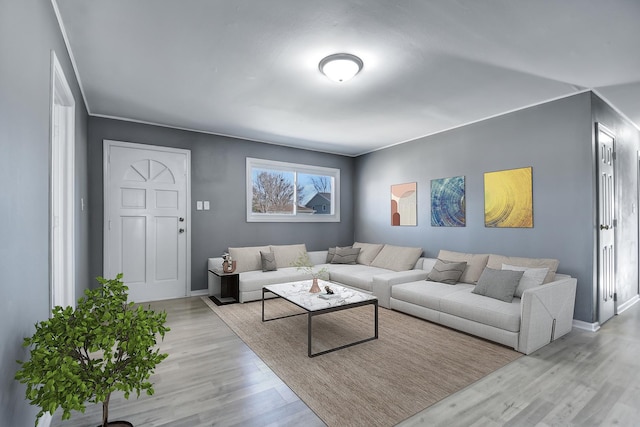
(229, 288)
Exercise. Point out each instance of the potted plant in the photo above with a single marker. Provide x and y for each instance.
(304, 263)
(85, 354)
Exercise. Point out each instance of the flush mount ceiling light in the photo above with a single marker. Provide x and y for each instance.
(340, 67)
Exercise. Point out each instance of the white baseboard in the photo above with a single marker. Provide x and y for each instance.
(591, 327)
(200, 293)
(45, 420)
(627, 305)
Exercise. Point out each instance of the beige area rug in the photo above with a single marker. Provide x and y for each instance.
(411, 366)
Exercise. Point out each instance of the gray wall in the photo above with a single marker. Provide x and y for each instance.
(28, 33)
(627, 143)
(218, 175)
(554, 138)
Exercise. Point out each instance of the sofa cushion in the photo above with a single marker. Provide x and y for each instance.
(426, 294)
(357, 276)
(477, 308)
(447, 272)
(532, 277)
(496, 261)
(287, 255)
(397, 258)
(248, 258)
(498, 284)
(255, 280)
(475, 264)
(345, 256)
(368, 252)
(268, 261)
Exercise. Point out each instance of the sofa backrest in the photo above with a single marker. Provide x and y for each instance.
(318, 257)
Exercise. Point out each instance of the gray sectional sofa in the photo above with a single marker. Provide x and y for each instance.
(402, 280)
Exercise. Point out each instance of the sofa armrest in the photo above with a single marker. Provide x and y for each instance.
(213, 281)
(382, 283)
(546, 313)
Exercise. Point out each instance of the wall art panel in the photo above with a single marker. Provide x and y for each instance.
(508, 198)
(404, 210)
(447, 202)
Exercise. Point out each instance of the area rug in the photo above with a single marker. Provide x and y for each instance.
(412, 365)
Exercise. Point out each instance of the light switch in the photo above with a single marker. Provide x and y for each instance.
(199, 205)
(206, 205)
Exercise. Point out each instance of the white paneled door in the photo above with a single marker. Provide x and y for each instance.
(147, 219)
(607, 223)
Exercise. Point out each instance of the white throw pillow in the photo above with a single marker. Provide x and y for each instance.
(531, 278)
(248, 258)
(397, 258)
(287, 255)
(496, 261)
(368, 252)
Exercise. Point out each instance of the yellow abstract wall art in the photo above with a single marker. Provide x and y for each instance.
(508, 198)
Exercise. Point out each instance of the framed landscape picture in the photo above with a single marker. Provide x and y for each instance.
(447, 202)
(404, 210)
(508, 198)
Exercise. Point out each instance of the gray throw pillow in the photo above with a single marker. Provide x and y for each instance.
(268, 261)
(345, 256)
(447, 272)
(498, 284)
(331, 253)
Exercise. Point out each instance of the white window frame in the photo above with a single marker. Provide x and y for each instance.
(296, 168)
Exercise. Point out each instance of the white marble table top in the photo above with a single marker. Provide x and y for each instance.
(298, 293)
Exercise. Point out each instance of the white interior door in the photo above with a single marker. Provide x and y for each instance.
(606, 226)
(62, 189)
(147, 236)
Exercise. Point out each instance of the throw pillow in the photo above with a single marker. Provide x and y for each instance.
(247, 258)
(268, 261)
(531, 278)
(397, 258)
(345, 256)
(287, 255)
(475, 264)
(446, 272)
(368, 252)
(496, 261)
(331, 252)
(498, 284)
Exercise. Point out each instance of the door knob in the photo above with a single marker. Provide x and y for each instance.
(181, 219)
(181, 230)
(604, 227)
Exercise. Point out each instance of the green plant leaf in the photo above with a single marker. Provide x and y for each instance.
(84, 354)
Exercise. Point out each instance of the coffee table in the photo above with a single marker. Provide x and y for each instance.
(298, 294)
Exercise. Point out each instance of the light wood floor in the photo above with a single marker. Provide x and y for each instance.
(582, 379)
(213, 378)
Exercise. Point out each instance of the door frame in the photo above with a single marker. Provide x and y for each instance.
(62, 189)
(638, 218)
(107, 144)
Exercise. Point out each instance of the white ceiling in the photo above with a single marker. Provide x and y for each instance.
(249, 68)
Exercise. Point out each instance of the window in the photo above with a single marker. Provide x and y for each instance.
(290, 192)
